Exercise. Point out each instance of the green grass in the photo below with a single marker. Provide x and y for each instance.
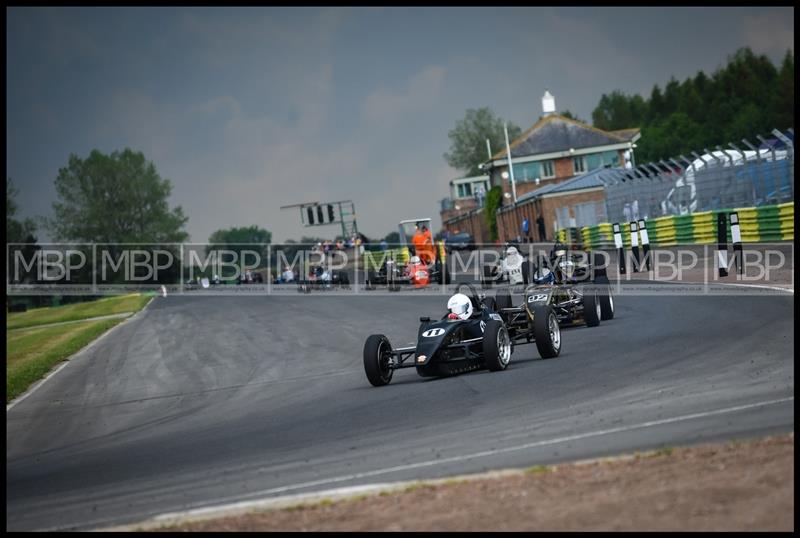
(33, 348)
(77, 311)
(664, 451)
(32, 353)
(539, 469)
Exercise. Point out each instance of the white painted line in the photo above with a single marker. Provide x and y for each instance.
(72, 357)
(232, 503)
(715, 283)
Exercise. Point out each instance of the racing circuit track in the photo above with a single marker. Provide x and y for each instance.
(204, 400)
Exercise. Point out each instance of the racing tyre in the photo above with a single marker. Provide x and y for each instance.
(503, 300)
(591, 310)
(606, 306)
(377, 360)
(496, 346)
(546, 332)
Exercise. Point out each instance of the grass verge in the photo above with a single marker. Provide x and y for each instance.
(32, 353)
(73, 312)
(33, 346)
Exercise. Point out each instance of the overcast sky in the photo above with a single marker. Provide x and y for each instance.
(249, 109)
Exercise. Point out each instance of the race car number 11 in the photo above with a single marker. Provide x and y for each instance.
(433, 332)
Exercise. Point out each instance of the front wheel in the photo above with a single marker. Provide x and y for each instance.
(546, 332)
(378, 360)
(496, 346)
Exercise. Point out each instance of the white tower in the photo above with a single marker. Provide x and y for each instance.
(548, 103)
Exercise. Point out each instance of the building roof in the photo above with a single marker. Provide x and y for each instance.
(588, 180)
(626, 134)
(554, 133)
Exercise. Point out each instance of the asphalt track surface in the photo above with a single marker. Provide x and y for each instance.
(204, 400)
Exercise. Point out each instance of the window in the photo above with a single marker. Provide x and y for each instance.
(547, 169)
(464, 190)
(579, 164)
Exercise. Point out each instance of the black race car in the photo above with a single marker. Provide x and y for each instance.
(577, 291)
(321, 279)
(452, 346)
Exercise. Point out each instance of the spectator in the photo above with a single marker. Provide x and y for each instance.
(540, 224)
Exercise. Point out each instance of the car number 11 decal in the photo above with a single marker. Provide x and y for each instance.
(538, 298)
(430, 333)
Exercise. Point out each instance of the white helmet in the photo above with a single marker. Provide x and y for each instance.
(512, 251)
(414, 260)
(460, 305)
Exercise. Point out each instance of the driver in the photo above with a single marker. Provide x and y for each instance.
(417, 272)
(543, 275)
(459, 306)
(512, 265)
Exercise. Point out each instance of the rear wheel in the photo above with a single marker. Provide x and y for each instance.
(496, 346)
(607, 305)
(546, 331)
(378, 359)
(591, 310)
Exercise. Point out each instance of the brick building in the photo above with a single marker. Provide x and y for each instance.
(576, 202)
(554, 150)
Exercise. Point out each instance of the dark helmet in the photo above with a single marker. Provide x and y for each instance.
(543, 275)
(559, 250)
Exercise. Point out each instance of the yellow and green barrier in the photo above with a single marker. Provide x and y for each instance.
(758, 224)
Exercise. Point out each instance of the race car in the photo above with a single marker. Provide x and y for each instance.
(472, 334)
(416, 273)
(322, 278)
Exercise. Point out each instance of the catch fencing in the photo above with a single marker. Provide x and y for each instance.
(741, 175)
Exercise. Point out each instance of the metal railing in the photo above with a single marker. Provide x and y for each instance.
(745, 175)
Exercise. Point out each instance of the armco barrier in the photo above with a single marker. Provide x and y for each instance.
(758, 224)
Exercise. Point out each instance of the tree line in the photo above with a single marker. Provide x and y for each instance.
(748, 96)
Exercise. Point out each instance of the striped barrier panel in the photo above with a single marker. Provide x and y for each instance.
(757, 224)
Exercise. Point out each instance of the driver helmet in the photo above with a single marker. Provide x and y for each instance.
(544, 276)
(559, 250)
(460, 306)
(511, 254)
(414, 260)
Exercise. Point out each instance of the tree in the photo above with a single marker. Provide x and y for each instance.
(117, 198)
(571, 116)
(783, 101)
(17, 231)
(393, 238)
(493, 200)
(468, 139)
(242, 239)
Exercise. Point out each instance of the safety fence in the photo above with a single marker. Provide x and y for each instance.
(758, 224)
(761, 174)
